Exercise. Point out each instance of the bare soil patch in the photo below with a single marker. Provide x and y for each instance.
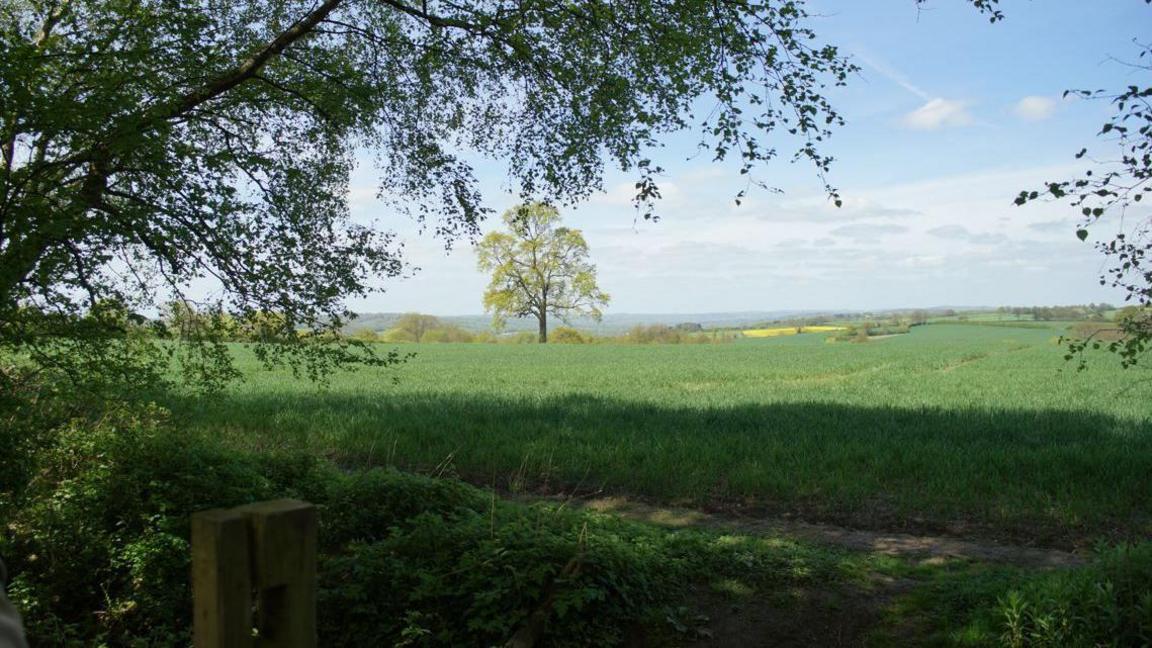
(925, 547)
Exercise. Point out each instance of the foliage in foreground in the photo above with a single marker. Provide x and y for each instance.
(1106, 604)
(97, 547)
(1115, 189)
(97, 544)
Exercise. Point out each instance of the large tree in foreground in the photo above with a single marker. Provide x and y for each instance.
(539, 268)
(150, 147)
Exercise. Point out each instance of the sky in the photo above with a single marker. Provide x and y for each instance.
(948, 120)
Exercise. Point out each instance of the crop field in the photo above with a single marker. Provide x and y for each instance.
(981, 429)
(788, 330)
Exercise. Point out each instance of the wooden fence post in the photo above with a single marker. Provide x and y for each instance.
(221, 580)
(260, 556)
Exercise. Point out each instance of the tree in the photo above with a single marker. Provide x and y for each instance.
(538, 269)
(417, 324)
(148, 146)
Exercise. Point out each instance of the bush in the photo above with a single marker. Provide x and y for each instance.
(520, 337)
(398, 335)
(447, 334)
(98, 549)
(502, 564)
(568, 335)
(862, 331)
(656, 333)
(98, 542)
(366, 335)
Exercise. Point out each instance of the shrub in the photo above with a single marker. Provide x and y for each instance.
(520, 337)
(365, 506)
(97, 543)
(568, 335)
(366, 335)
(99, 554)
(502, 564)
(447, 334)
(661, 334)
(656, 333)
(398, 335)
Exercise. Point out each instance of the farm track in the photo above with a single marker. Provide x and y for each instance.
(927, 548)
(832, 377)
(825, 615)
(977, 357)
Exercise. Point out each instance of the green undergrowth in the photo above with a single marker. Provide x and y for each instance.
(1107, 602)
(96, 542)
(97, 547)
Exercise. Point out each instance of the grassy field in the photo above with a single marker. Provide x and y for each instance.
(965, 428)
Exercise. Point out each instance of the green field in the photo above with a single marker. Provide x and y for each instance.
(973, 429)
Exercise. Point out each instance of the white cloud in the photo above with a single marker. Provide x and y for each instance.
(961, 233)
(1060, 225)
(950, 239)
(819, 210)
(1035, 108)
(939, 113)
(924, 261)
(867, 232)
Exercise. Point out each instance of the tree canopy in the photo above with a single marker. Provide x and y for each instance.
(148, 148)
(539, 268)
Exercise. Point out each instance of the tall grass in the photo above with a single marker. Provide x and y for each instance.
(950, 424)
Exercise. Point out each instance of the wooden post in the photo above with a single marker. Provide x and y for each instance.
(267, 549)
(221, 580)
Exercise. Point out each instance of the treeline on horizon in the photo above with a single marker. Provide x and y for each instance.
(183, 321)
(421, 328)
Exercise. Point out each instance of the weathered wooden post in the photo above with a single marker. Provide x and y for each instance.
(254, 576)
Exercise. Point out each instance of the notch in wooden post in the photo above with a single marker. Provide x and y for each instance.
(268, 548)
(283, 541)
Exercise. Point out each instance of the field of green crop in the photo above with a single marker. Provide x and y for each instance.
(978, 429)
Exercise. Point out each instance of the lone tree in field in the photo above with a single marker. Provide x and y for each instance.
(149, 146)
(538, 269)
(417, 324)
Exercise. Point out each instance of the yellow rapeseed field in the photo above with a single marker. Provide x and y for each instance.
(789, 330)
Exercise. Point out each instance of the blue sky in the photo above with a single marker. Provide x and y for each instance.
(949, 119)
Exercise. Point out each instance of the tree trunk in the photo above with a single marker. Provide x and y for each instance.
(543, 319)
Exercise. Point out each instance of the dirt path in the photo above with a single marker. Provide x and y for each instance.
(842, 614)
(895, 544)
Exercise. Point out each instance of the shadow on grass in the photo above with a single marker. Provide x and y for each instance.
(1042, 476)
